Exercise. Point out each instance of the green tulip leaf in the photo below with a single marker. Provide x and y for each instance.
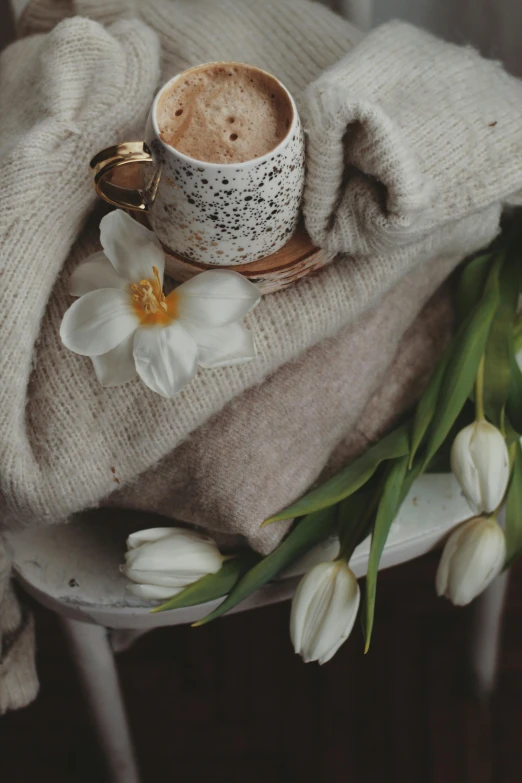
(497, 363)
(441, 461)
(471, 284)
(427, 404)
(510, 434)
(355, 516)
(351, 478)
(397, 484)
(517, 333)
(514, 508)
(212, 586)
(308, 532)
(514, 400)
(461, 371)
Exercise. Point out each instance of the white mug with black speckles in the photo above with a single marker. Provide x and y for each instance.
(223, 212)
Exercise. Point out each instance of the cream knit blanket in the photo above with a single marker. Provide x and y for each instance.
(70, 93)
(85, 85)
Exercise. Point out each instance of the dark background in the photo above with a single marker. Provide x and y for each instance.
(231, 703)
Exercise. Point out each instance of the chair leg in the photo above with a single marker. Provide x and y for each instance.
(122, 639)
(485, 635)
(96, 668)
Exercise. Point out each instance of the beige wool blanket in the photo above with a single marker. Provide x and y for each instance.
(86, 84)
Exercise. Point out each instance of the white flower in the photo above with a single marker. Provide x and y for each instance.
(473, 556)
(324, 609)
(127, 326)
(163, 560)
(480, 462)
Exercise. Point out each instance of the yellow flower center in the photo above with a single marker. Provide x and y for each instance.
(151, 304)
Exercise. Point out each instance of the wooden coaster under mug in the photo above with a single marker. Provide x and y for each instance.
(296, 260)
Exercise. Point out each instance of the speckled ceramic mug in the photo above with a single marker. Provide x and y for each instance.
(211, 213)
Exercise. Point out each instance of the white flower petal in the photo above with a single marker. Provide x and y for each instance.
(172, 561)
(217, 297)
(490, 456)
(479, 559)
(165, 357)
(116, 367)
(334, 613)
(473, 556)
(130, 247)
(480, 462)
(94, 273)
(341, 616)
(314, 581)
(160, 578)
(324, 609)
(149, 535)
(443, 572)
(98, 322)
(464, 469)
(223, 345)
(153, 592)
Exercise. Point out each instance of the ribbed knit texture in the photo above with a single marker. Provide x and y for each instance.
(59, 103)
(268, 446)
(293, 39)
(410, 139)
(65, 442)
(46, 469)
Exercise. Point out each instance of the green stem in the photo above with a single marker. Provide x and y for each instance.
(517, 332)
(479, 392)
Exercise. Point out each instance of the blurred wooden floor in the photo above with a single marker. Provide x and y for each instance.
(231, 703)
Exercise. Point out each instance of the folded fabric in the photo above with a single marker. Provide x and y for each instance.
(268, 446)
(58, 97)
(46, 471)
(187, 486)
(65, 442)
(418, 352)
(409, 138)
(293, 39)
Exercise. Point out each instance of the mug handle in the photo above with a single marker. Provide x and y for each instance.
(106, 161)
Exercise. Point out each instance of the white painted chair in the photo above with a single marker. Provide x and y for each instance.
(73, 570)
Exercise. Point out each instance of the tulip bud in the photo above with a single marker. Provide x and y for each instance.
(480, 462)
(324, 609)
(473, 556)
(164, 560)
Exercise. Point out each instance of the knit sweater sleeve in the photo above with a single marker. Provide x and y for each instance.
(408, 138)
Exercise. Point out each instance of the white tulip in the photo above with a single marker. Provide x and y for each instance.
(128, 327)
(324, 609)
(480, 462)
(473, 556)
(162, 561)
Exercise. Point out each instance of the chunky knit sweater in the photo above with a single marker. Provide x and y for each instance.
(60, 91)
(392, 187)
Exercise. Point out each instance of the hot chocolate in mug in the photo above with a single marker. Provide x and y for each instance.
(239, 204)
